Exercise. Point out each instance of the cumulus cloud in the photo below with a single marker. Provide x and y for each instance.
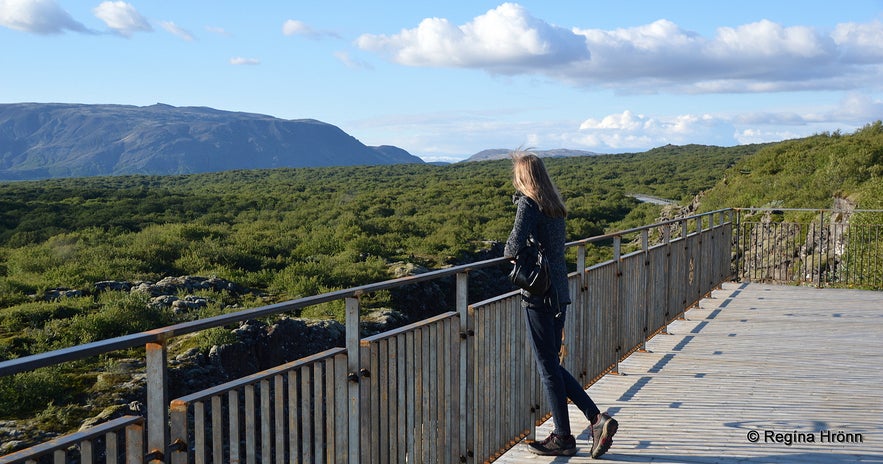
(628, 131)
(506, 39)
(860, 43)
(238, 60)
(174, 29)
(763, 56)
(122, 18)
(295, 27)
(634, 131)
(38, 17)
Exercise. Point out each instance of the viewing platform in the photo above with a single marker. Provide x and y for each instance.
(696, 367)
(755, 374)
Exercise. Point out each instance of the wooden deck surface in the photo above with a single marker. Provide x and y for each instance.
(796, 368)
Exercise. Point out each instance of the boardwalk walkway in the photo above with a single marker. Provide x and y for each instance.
(792, 364)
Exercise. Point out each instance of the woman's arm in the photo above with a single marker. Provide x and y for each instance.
(525, 222)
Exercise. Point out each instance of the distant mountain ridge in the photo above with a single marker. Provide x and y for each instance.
(46, 140)
(502, 153)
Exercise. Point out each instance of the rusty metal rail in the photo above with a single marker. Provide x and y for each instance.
(456, 387)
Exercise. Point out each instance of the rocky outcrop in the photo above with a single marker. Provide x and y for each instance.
(173, 285)
(783, 252)
(162, 293)
(812, 253)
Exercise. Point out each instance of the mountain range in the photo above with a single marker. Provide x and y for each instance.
(46, 140)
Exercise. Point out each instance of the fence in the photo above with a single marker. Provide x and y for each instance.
(811, 247)
(117, 440)
(458, 387)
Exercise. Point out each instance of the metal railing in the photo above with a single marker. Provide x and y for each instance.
(824, 248)
(117, 440)
(458, 387)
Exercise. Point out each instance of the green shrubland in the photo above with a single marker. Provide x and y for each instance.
(807, 173)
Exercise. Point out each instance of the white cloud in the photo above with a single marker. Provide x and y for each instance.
(238, 60)
(858, 108)
(633, 131)
(630, 131)
(765, 39)
(219, 31)
(295, 27)
(757, 57)
(860, 43)
(661, 56)
(122, 18)
(351, 62)
(505, 39)
(746, 136)
(38, 17)
(174, 29)
(624, 121)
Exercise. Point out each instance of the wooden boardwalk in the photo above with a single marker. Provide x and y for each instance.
(755, 374)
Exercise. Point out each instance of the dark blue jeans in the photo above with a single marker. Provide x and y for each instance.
(545, 330)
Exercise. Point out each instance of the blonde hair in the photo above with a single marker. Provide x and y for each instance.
(529, 176)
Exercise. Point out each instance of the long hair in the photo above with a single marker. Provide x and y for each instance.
(529, 176)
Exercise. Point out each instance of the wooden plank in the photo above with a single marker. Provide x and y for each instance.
(785, 360)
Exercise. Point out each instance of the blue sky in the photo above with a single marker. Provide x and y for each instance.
(445, 80)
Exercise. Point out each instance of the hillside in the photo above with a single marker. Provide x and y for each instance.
(39, 141)
(807, 173)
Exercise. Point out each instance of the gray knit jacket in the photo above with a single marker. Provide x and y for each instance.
(550, 233)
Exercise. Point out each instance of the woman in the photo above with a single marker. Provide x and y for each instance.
(541, 213)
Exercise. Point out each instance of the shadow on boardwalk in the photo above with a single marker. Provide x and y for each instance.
(755, 374)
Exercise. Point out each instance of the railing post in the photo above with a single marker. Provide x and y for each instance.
(178, 413)
(821, 240)
(698, 275)
(466, 346)
(352, 366)
(135, 443)
(666, 239)
(686, 263)
(157, 401)
(645, 247)
(617, 309)
(740, 248)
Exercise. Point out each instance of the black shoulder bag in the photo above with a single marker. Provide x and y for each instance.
(531, 270)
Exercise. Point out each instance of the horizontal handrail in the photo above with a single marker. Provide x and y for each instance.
(258, 376)
(810, 210)
(599, 238)
(65, 442)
